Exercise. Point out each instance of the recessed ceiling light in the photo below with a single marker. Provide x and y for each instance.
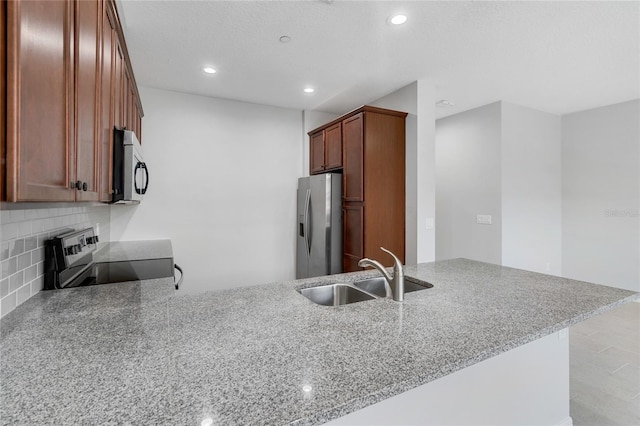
(398, 19)
(309, 90)
(444, 103)
(209, 70)
(285, 39)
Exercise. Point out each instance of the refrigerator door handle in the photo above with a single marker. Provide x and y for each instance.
(307, 231)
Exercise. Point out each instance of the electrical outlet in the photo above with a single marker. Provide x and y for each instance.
(429, 223)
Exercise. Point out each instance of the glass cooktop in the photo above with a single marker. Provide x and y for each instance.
(117, 272)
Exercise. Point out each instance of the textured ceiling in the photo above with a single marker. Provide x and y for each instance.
(558, 57)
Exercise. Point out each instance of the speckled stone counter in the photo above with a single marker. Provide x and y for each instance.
(140, 353)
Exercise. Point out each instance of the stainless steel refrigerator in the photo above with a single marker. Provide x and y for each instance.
(319, 227)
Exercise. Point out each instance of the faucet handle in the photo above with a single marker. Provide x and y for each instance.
(397, 264)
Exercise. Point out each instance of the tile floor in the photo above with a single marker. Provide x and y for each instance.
(605, 369)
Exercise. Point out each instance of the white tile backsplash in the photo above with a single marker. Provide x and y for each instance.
(22, 237)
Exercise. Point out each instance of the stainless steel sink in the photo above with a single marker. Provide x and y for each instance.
(376, 286)
(335, 294)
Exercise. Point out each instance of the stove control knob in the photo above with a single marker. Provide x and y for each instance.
(78, 248)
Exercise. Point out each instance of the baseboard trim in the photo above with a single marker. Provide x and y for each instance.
(566, 422)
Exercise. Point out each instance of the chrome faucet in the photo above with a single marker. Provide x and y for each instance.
(394, 286)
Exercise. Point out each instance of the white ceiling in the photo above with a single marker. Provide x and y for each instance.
(558, 57)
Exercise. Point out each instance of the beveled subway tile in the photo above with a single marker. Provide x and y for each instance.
(4, 251)
(30, 243)
(17, 247)
(31, 273)
(23, 293)
(24, 229)
(37, 255)
(8, 267)
(8, 303)
(4, 287)
(37, 284)
(9, 231)
(24, 261)
(16, 281)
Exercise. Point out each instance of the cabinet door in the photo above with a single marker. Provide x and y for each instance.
(353, 236)
(316, 153)
(352, 145)
(106, 121)
(40, 148)
(118, 84)
(127, 103)
(333, 147)
(3, 79)
(88, 18)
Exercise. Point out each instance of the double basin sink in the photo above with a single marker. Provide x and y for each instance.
(359, 291)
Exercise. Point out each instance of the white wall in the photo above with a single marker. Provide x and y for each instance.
(601, 195)
(468, 182)
(417, 99)
(222, 188)
(531, 189)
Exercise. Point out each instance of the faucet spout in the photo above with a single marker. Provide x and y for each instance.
(394, 285)
(363, 263)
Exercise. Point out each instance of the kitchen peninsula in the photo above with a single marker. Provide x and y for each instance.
(141, 353)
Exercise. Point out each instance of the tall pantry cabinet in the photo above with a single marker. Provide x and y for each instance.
(62, 90)
(373, 183)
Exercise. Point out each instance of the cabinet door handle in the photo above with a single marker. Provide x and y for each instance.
(84, 186)
(79, 185)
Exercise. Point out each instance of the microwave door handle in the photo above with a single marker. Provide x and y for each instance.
(146, 181)
(135, 180)
(142, 166)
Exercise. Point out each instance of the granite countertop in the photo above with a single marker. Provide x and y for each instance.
(140, 353)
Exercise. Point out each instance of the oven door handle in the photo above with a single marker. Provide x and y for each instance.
(175, 265)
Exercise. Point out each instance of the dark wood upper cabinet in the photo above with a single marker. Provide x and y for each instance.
(62, 98)
(88, 16)
(333, 147)
(353, 144)
(40, 158)
(325, 149)
(3, 96)
(106, 118)
(316, 153)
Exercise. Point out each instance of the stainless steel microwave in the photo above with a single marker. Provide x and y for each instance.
(130, 172)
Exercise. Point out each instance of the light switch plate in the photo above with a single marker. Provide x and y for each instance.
(483, 219)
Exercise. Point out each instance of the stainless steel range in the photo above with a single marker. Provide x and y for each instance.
(69, 263)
